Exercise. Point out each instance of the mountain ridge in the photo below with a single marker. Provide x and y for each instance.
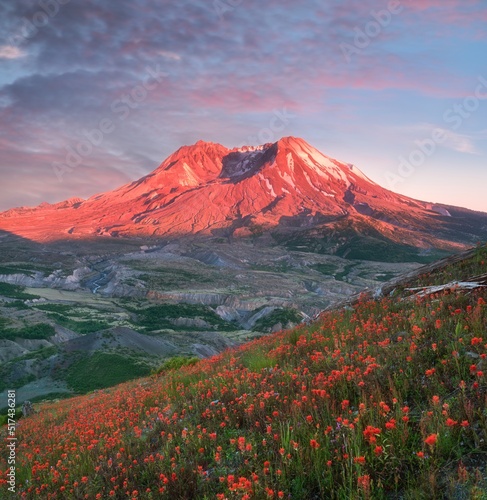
(285, 188)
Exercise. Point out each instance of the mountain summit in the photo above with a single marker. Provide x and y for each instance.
(288, 188)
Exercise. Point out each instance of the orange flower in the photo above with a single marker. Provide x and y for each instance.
(431, 439)
(314, 444)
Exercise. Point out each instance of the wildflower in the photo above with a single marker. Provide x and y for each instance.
(370, 433)
(378, 450)
(462, 473)
(450, 422)
(314, 444)
(431, 439)
(364, 482)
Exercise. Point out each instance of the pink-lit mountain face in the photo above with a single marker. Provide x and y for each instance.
(287, 189)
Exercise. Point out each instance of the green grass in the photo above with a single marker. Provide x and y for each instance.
(283, 316)
(468, 268)
(102, 370)
(175, 363)
(4, 416)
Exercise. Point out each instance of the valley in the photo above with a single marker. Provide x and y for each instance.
(136, 305)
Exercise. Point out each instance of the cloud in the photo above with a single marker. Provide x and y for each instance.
(169, 55)
(461, 143)
(226, 74)
(10, 52)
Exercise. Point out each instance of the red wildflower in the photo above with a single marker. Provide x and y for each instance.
(431, 439)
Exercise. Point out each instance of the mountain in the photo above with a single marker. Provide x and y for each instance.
(288, 189)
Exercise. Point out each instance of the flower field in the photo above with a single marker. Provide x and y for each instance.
(383, 400)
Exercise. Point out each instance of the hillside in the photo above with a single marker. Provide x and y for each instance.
(384, 398)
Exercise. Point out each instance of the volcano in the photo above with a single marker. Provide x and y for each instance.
(287, 189)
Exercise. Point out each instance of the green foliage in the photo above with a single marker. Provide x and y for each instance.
(4, 416)
(79, 326)
(382, 250)
(3, 323)
(15, 384)
(344, 272)
(256, 360)
(24, 268)
(162, 278)
(102, 370)
(36, 331)
(158, 317)
(175, 363)
(283, 316)
(15, 292)
(16, 304)
(56, 308)
(326, 269)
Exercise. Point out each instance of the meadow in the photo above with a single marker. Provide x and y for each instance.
(385, 399)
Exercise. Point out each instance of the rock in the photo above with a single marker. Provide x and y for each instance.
(249, 324)
(27, 409)
(191, 323)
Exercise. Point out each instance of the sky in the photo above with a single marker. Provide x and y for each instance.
(95, 94)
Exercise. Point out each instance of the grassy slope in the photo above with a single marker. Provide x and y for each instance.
(385, 400)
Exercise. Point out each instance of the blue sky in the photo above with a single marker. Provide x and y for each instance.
(95, 94)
